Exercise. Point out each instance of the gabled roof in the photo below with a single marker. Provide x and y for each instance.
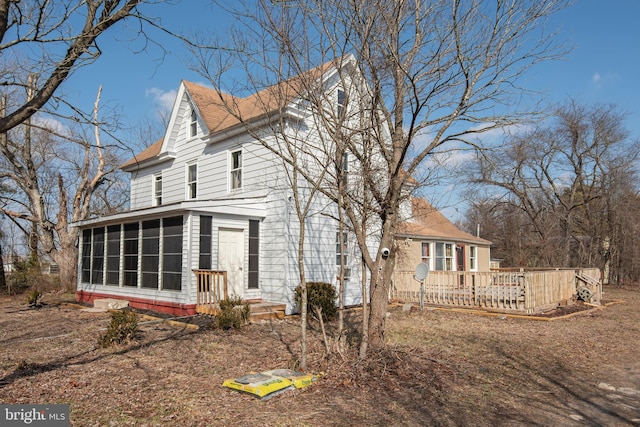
(427, 222)
(220, 111)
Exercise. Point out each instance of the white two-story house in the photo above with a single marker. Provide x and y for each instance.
(210, 196)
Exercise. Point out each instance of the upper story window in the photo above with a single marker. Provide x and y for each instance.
(473, 258)
(193, 127)
(236, 170)
(342, 102)
(444, 256)
(157, 190)
(192, 181)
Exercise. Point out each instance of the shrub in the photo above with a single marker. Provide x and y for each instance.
(319, 295)
(123, 328)
(27, 275)
(233, 314)
(33, 299)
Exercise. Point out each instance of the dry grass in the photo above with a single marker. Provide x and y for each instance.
(440, 368)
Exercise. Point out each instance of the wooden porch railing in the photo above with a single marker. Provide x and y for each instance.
(521, 291)
(211, 288)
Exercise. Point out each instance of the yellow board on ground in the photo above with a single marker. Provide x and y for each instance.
(269, 383)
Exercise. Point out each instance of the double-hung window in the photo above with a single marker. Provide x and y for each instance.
(236, 170)
(444, 256)
(473, 258)
(192, 181)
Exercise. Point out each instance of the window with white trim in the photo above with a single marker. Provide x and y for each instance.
(444, 256)
(235, 176)
(473, 258)
(192, 181)
(157, 189)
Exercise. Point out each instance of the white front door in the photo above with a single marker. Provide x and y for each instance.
(231, 259)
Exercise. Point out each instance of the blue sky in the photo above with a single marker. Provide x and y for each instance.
(604, 65)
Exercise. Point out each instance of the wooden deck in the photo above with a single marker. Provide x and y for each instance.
(527, 292)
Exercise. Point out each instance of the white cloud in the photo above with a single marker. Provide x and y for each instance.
(51, 123)
(163, 99)
(596, 78)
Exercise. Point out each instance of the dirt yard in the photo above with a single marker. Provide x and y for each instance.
(440, 368)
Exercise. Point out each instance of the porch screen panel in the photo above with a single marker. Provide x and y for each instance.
(86, 256)
(150, 253)
(172, 253)
(204, 262)
(254, 251)
(113, 255)
(130, 255)
(97, 256)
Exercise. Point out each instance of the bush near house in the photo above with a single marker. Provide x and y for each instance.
(319, 295)
(233, 314)
(122, 329)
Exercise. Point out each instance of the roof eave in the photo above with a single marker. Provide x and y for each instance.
(160, 158)
(474, 240)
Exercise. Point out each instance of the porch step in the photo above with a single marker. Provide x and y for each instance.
(267, 311)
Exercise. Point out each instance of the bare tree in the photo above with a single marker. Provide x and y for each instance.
(53, 39)
(427, 77)
(569, 177)
(54, 180)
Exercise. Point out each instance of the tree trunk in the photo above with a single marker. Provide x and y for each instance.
(66, 260)
(3, 279)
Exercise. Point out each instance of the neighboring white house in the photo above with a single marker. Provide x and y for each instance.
(209, 196)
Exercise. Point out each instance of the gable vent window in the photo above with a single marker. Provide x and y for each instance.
(193, 128)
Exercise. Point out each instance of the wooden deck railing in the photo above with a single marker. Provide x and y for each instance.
(211, 288)
(522, 291)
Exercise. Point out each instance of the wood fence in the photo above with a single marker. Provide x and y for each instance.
(521, 291)
(211, 288)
